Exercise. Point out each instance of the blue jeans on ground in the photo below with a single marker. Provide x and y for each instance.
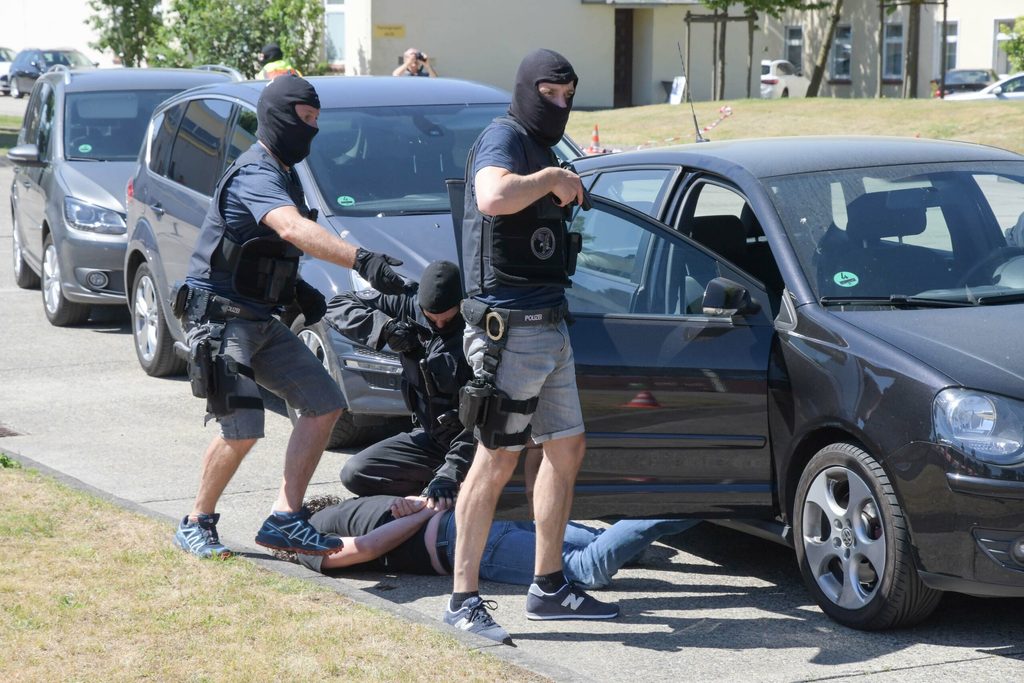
(590, 557)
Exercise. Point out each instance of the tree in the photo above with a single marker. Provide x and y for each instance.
(826, 48)
(127, 27)
(232, 34)
(1014, 47)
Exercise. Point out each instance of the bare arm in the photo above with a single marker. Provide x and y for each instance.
(378, 542)
(308, 236)
(499, 192)
(399, 70)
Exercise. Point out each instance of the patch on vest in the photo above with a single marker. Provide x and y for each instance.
(542, 243)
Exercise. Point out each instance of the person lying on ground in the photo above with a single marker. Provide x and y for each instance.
(404, 535)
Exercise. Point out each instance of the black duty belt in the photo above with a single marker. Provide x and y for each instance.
(496, 321)
(205, 304)
(441, 544)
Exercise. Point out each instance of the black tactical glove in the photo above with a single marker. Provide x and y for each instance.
(376, 269)
(310, 301)
(443, 487)
(401, 336)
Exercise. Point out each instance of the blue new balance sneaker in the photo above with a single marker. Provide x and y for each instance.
(292, 532)
(473, 616)
(200, 537)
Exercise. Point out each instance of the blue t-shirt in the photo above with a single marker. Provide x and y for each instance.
(253, 192)
(499, 146)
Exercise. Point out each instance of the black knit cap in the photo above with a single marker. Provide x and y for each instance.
(440, 287)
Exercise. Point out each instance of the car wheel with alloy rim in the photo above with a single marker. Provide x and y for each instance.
(853, 543)
(24, 276)
(60, 311)
(154, 345)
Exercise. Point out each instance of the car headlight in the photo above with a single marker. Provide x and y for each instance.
(92, 218)
(987, 427)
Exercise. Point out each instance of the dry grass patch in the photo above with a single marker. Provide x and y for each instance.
(90, 592)
(990, 123)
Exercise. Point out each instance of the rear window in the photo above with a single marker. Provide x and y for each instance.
(110, 125)
(69, 58)
(394, 160)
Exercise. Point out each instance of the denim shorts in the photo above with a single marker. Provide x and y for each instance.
(537, 361)
(283, 365)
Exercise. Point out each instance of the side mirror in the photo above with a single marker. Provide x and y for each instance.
(24, 155)
(724, 298)
(997, 91)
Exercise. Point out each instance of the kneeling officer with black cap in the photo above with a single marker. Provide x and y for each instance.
(424, 327)
(244, 268)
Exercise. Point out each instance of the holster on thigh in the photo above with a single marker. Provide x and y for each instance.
(229, 379)
(497, 413)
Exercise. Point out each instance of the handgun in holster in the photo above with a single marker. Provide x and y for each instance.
(474, 402)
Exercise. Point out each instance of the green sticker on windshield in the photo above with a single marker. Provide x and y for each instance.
(85, 149)
(846, 279)
(345, 200)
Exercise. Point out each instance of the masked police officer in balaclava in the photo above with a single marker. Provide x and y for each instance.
(244, 269)
(518, 259)
(424, 327)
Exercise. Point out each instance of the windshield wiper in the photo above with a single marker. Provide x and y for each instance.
(1004, 298)
(411, 212)
(901, 300)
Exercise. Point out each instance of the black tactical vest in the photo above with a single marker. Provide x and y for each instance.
(525, 249)
(263, 268)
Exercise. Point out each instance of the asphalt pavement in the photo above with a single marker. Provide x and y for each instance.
(708, 605)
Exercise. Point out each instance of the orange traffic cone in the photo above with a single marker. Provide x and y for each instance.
(644, 399)
(595, 143)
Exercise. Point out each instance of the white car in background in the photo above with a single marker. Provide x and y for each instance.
(6, 57)
(780, 78)
(1009, 88)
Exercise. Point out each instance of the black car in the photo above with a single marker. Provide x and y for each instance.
(968, 80)
(31, 63)
(376, 176)
(818, 340)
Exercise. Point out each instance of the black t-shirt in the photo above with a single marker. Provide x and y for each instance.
(360, 516)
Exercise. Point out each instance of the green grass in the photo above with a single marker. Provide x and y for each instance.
(91, 592)
(991, 123)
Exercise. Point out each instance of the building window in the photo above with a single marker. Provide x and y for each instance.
(1000, 60)
(334, 35)
(952, 29)
(892, 52)
(795, 46)
(842, 49)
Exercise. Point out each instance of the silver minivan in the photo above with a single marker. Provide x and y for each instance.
(76, 150)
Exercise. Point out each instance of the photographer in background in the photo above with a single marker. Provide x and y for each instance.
(415, 64)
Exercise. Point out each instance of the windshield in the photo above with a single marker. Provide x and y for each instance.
(945, 232)
(108, 126)
(394, 160)
(70, 58)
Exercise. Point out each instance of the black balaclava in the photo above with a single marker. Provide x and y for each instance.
(440, 287)
(279, 126)
(270, 53)
(544, 120)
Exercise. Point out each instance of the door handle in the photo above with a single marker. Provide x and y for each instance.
(158, 210)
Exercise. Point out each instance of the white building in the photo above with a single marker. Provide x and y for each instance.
(626, 51)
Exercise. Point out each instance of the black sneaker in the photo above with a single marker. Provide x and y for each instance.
(474, 617)
(292, 532)
(568, 602)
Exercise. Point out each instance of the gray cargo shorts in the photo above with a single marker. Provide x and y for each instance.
(282, 364)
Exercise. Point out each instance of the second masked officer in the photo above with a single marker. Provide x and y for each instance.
(244, 268)
(518, 257)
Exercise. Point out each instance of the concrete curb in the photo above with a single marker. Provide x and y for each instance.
(258, 557)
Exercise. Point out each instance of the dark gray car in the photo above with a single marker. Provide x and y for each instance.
(76, 150)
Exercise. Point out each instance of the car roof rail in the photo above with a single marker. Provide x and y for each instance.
(234, 73)
(61, 67)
